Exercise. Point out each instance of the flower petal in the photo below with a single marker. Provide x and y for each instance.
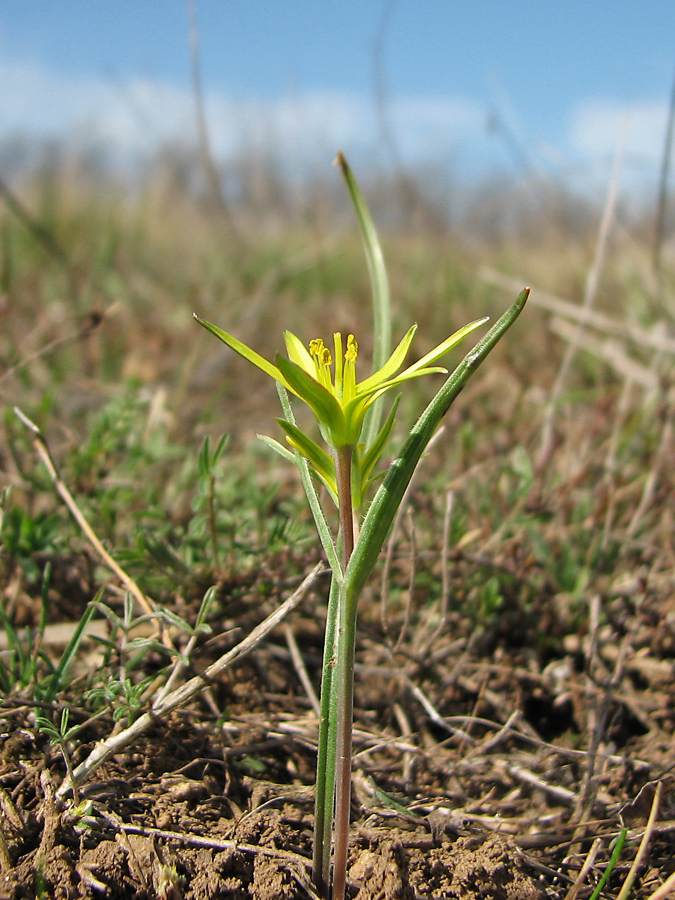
(337, 344)
(298, 353)
(446, 345)
(392, 365)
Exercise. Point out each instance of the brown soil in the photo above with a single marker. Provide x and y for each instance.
(484, 767)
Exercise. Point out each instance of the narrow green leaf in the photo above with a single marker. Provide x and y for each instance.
(298, 460)
(241, 349)
(372, 455)
(205, 608)
(169, 617)
(71, 650)
(391, 365)
(204, 459)
(221, 446)
(380, 287)
(381, 513)
(317, 456)
(611, 865)
(277, 447)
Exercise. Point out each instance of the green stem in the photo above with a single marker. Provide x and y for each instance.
(342, 694)
(343, 756)
(325, 763)
(343, 476)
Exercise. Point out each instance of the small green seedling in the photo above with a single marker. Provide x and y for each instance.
(348, 412)
(59, 736)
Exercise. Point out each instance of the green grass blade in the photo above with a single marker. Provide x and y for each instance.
(611, 865)
(71, 651)
(380, 286)
(44, 599)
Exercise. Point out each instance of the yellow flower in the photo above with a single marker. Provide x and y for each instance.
(327, 381)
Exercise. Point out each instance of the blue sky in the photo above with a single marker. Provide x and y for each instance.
(297, 77)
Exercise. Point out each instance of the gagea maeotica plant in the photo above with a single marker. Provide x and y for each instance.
(354, 440)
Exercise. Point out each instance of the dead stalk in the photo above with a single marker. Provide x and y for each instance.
(592, 281)
(641, 855)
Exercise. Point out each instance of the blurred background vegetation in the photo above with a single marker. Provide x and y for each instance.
(558, 457)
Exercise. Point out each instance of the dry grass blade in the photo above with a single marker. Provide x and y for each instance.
(663, 453)
(641, 855)
(573, 892)
(301, 669)
(91, 323)
(666, 890)
(42, 449)
(592, 281)
(654, 339)
(610, 352)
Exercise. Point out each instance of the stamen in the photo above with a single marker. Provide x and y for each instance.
(352, 349)
(349, 376)
(315, 346)
(322, 360)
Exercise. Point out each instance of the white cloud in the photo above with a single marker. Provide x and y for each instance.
(139, 114)
(133, 117)
(598, 128)
(40, 103)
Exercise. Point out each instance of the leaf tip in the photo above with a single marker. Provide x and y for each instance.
(341, 162)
